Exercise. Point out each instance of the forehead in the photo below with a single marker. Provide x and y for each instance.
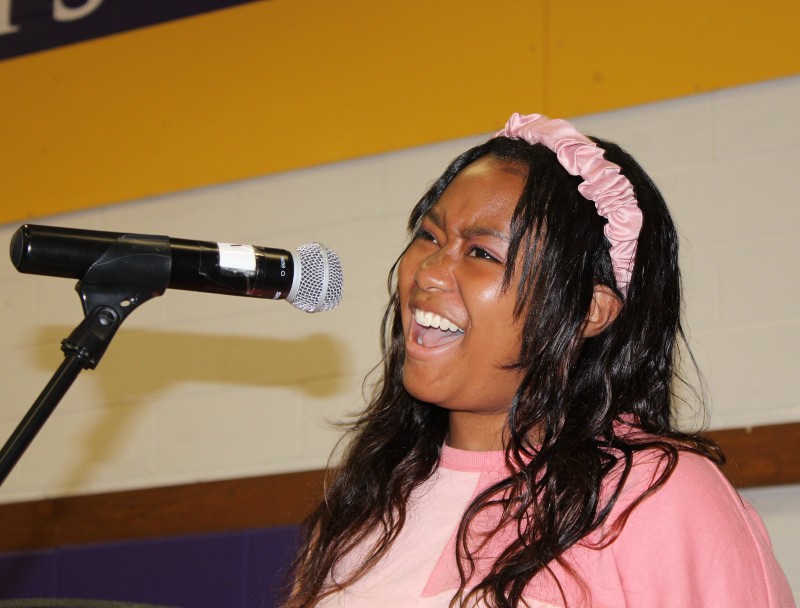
(486, 190)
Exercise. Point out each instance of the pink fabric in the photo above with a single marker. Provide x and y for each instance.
(694, 543)
(603, 183)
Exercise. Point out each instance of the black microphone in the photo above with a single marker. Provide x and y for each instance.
(309, 278)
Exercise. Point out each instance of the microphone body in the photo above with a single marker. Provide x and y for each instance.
(309, 278)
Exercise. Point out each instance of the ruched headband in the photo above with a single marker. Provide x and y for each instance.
(603, 183)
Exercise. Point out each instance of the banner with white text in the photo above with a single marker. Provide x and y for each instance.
(28, 26)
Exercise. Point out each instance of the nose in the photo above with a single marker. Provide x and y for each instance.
(435, 271)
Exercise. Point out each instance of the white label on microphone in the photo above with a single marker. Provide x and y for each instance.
(237, 257)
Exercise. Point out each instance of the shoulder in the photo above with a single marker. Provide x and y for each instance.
(694, 534)
(695, 497)
(668, 475)
(694, 484)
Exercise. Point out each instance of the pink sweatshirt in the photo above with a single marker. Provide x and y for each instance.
(694, 543)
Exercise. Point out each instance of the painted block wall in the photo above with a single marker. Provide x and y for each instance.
(200, 387)
(245, 569)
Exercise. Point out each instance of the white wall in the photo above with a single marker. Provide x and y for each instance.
(199, 387)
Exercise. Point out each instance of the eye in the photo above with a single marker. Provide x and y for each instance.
(481, 253)
(423, 235)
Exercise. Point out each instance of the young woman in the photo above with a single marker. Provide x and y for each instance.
(520, 449)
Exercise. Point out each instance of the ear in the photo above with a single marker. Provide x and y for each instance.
(603, 310)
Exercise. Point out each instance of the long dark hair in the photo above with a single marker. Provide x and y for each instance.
(562, 440)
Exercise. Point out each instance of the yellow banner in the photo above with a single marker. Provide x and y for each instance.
(273, 86)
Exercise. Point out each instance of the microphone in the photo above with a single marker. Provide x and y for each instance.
(309, 278)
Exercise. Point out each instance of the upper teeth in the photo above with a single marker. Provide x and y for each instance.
(429, 319)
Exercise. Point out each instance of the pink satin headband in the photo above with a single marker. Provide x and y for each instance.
(611, 192)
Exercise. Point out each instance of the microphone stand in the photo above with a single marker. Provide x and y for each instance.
(132, 270)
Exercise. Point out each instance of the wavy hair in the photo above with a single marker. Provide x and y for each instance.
(562, 428)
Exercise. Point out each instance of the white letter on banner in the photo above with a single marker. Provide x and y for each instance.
(6, 27)
(61, 12)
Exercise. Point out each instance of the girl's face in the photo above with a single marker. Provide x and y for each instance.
(458, 322)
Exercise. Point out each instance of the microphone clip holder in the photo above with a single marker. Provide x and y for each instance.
(133, 270)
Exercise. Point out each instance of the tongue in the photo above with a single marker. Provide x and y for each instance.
(436, 337)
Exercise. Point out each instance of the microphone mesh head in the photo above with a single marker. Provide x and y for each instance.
(321, 279)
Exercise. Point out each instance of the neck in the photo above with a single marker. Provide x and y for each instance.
(477, 432)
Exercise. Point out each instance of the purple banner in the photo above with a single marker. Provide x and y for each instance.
(28, 26)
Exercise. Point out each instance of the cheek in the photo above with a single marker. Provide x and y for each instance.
(403, 273)
(502, 332)
(403, 276)
(407, 269)
(486, 303)
(405, 282)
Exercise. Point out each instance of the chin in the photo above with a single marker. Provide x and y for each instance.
(422, 391)
(420, 395)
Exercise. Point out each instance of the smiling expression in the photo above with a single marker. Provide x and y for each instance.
(458, 321)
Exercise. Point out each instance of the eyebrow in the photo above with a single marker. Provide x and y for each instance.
(470, 232)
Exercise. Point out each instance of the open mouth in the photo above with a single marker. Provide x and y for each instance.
(430, 330)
